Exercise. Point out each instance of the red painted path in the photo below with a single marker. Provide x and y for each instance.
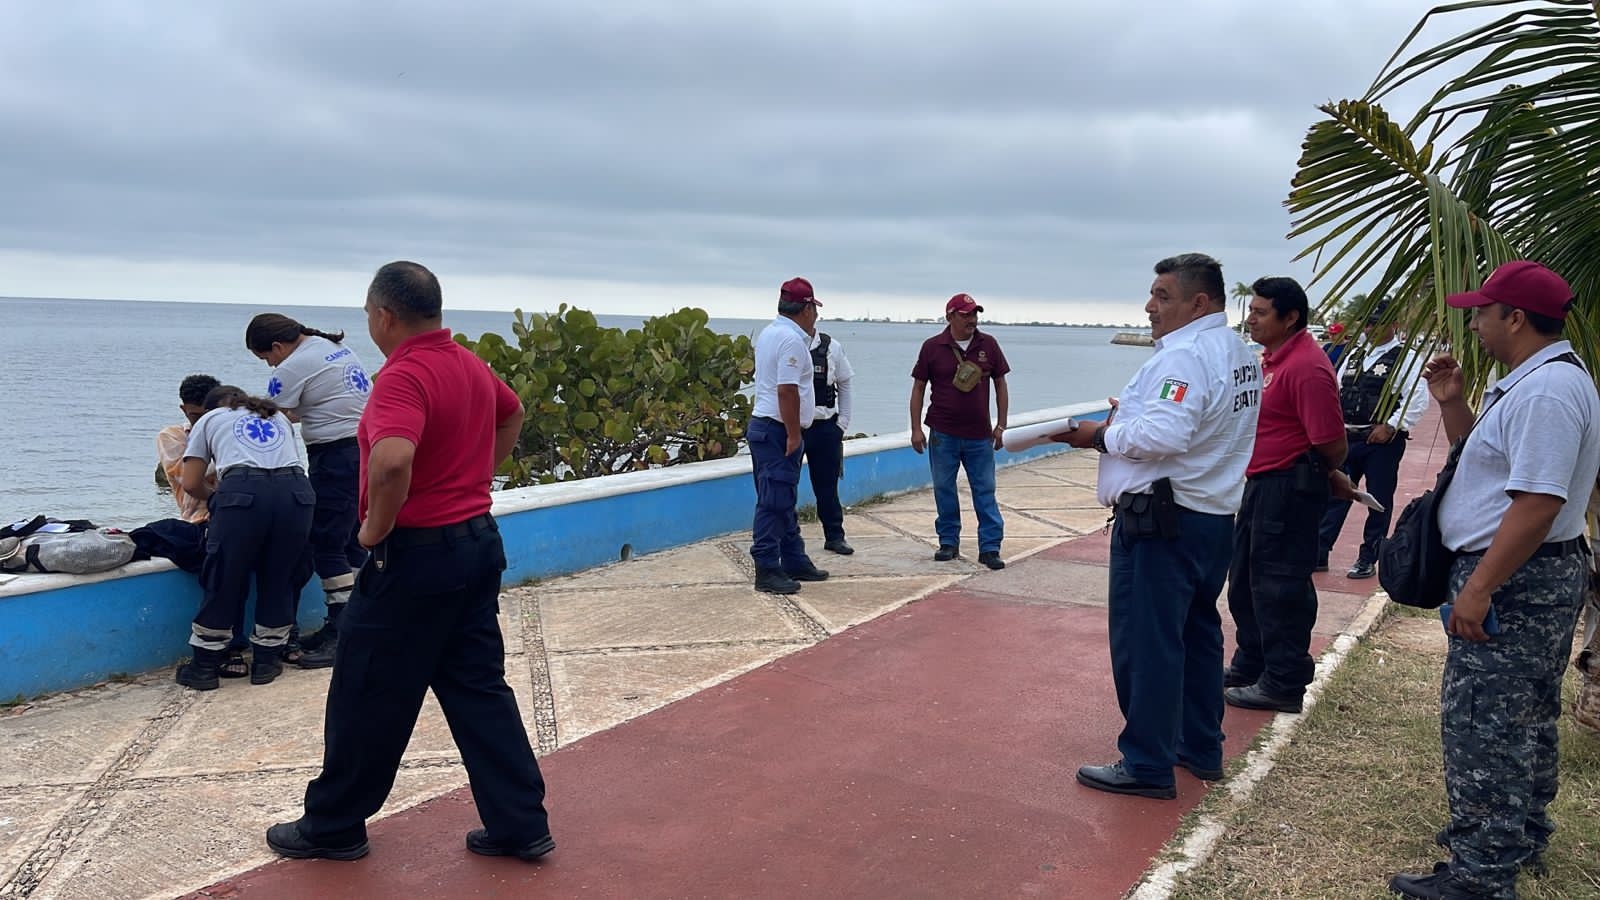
(929, 753)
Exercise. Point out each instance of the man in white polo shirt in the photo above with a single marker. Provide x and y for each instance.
(785, 403)
(1514, 514)
(1175, 451)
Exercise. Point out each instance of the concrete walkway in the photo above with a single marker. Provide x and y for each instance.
(699, 739)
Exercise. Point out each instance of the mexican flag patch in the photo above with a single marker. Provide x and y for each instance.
(1173, 389)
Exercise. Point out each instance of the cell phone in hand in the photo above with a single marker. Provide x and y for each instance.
(1491, 625)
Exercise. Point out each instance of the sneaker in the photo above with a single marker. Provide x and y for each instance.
(991, 558)
(945, 553)
(479, 842)
(285, 839)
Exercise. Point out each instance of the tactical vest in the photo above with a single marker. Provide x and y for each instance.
(826, 393)
(1361, 389)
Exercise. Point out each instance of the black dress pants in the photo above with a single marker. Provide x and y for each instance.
(423, 616)
(1270, 595)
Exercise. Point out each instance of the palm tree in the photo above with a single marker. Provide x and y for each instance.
(1500, 163)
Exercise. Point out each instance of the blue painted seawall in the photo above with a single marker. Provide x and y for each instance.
(59, 632)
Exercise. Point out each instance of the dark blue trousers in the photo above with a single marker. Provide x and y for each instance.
(1166, 645)
(1379, 466)
(776, 531)
(258, 526)
(824, 449)
(423, 616)
(335, 471)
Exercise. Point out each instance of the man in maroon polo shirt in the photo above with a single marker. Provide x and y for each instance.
(1300, 444)
(423, 614)
(960, 363)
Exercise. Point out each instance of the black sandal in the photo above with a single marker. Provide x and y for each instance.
(234, 666)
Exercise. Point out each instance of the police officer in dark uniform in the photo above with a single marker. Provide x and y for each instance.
(1381, 403)
(824, 439)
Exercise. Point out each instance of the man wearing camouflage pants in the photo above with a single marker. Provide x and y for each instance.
(1515, 517)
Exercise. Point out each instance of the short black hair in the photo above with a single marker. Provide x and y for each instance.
(791, 308)
(1287, 296)
(1546, 326)
(408, 290)
(1197, 274)
(194, 388)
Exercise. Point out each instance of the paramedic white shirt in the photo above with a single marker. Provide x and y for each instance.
(325, 385)
(239, 437)
(1189, 414)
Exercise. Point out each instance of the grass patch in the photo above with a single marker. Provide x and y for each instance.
(1359, 793)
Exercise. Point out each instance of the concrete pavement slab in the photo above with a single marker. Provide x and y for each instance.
(700, 563)
(888, 555)
(594, 691)
(27, 816)
(662, 616)
(839, 604)
(1046, 581)
(1059, 497)
(73, 738)
(1077, 520)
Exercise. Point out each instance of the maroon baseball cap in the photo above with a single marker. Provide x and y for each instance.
(797, 290)
(962, 303)
(1523, 284)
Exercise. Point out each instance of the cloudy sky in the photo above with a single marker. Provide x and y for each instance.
(632, 157)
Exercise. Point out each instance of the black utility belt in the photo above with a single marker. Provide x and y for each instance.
(1149, 515)
(258, 472)
(1364, 430)
(439, 534)
(1551, 550)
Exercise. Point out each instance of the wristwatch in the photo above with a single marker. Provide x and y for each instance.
(1098, 442)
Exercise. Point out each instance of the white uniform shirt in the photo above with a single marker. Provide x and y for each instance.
(783, 356)
(1542, 437)
(1409, 386)
(325, 385)
(239, 437)
(1189, 414)
(839, 375)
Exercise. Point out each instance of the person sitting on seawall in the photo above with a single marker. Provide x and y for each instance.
(260, 517)
(319, 382)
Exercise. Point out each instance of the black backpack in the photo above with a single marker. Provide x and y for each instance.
(1413, 562)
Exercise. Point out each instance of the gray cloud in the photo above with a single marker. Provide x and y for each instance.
(1045, 150)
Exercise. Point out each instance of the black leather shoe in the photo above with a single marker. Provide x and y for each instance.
(1114, 779)
(1362, 569)
(285, 839)
(773, 581)
(1232, 678)
(838, 546)
(811, 574)
(1201, 772)
(945, 553)
(1534, 866)
(479, 842)
(991, 558)
(1255, 697)
(1429, 886)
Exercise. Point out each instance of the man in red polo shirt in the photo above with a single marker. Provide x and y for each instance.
(423, 614)
(1300, 444)
(960, 363)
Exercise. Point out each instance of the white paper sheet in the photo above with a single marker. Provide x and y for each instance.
(1026, 436)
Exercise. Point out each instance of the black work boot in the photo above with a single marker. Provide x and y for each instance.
(265, 664)
(200, 672)
(327, 633)
(774, 581)
(321, 657)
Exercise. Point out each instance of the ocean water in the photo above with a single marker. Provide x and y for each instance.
(86, 384)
